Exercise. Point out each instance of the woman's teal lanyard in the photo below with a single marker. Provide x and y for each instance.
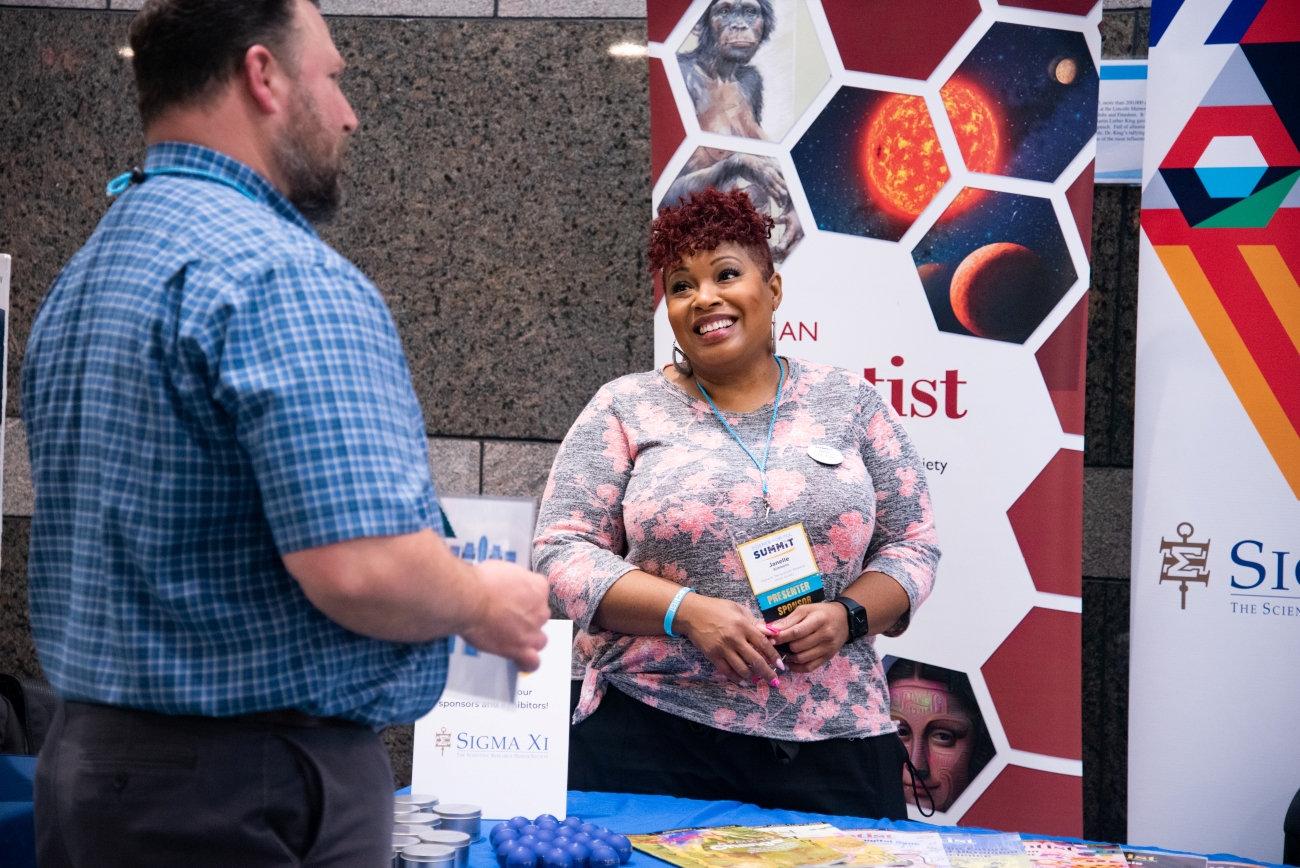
(776, 403)
(118, 185)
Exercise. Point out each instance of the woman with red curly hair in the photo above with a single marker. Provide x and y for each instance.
(729, 533)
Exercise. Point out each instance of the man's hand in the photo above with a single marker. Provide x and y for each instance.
(815, 631)
(730, 636)
(509, 623)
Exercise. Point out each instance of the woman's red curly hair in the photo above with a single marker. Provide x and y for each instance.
(708, 220)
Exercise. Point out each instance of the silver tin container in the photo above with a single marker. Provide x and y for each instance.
(459, 841)
(424, 855)
(421, 818)
(403, 829)
(462, 818)
(400, 843)
(399, 809)
(419, 800)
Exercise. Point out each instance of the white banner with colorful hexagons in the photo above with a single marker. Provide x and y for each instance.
(929, 167)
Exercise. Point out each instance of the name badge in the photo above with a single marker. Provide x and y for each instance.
(782, 571)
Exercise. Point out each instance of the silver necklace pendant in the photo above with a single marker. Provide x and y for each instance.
(828, 455)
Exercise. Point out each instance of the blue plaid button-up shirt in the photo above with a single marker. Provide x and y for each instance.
(208, 387)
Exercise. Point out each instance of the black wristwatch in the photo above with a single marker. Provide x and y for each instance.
(857, 617)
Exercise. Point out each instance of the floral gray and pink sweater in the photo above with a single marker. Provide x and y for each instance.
(649, 479)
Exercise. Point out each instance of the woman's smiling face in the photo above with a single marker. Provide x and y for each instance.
(720, 306)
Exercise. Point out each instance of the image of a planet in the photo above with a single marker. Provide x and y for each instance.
(1065, 70)
(1001, 291)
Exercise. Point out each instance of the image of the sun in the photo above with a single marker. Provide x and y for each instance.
(903, 161)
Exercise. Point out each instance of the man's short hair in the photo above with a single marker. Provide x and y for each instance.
(186, 50)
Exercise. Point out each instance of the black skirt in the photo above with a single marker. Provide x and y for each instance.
(628, 747)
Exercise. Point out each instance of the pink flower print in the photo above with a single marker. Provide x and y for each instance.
(826, 560)
(654, 420)
(808, 722)
(863, 717)
(608, 495)
(571, 583)
(740, 497)
(675, 458)
(701, 481)
(694, 518)
(798, 432)
(850, 538)
(550, 489)
(627, 386)
(783, 487)
(616, 444)
(852, 471)
(723, 716)
(907, 477)
(794, 687)
(731, 565)
(673, 573)
(837, 675)
(708, 439)
(883, 439)
(597, 405)
(649, 681)
(753, 720)
(635, 514)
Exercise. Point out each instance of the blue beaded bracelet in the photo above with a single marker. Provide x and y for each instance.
(672, 610)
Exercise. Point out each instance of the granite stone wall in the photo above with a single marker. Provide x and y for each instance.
(498, 139)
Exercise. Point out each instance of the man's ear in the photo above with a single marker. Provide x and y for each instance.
(260, 77)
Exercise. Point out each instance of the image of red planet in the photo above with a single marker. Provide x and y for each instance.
(994, 269)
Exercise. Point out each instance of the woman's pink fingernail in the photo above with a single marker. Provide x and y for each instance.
(771, 629)
(776, 682)
(757, 680)
(780, 664)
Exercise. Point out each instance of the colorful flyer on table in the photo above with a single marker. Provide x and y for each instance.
(990, 850)
(1161, 859)
(919, 849)
(736, 847)
(782, 571)
(859, 850)
(1073, 854)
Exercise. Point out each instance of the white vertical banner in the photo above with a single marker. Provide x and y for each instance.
(1214, 708)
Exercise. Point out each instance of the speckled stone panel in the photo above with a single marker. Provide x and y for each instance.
(499, 190)
(1125, 31)
(18, 494)
(456, 465)
(1107, 522)
(1105, 709)
(1112, 327)
(517, 469)
(17, 647)
(500, 199)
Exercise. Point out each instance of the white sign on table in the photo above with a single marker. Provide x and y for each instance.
(509, 759)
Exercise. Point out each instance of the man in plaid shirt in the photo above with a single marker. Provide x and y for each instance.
(235, 577)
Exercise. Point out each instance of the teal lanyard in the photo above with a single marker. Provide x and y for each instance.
(776, 403)
(118, 185)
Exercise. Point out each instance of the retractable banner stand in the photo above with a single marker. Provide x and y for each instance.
(1214, 700)
(929, 166)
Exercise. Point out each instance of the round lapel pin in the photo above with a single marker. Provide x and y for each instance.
(825, 454)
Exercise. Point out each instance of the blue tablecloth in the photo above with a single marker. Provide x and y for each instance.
(17, 831)
(630, 814)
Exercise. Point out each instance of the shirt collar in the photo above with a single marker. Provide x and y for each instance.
(190, 156)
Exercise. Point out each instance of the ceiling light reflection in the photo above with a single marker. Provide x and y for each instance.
(629, 49)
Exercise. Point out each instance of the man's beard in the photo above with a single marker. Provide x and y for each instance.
(309, 162)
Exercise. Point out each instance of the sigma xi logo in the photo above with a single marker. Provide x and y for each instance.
(528, 743)
(1184, 561)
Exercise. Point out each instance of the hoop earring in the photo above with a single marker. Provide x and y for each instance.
(684, 365)
(774, 334)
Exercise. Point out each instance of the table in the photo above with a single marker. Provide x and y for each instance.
(636, 814)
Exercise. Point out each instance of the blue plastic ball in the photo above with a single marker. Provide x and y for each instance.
(497, 828)
(584, 838)
(575, 822)
(519, 822)
(546, 823)
(579, 854)
(590, 828)
(499, 836)
(544, 835)
(521, 857)
(540, 817)
(620, 845)
(561, 839)
(541, 848)
(557, 858)
(603, 856)
(526, 841)
(530, 829)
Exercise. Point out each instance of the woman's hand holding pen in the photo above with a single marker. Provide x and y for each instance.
(731, 637)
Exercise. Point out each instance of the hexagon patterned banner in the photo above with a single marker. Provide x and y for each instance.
(928, 167)
(1216, 470)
